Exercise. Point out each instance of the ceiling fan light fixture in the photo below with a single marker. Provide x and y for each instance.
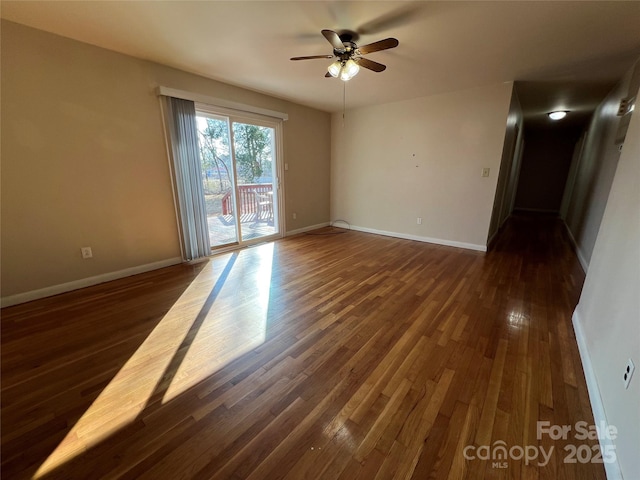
(349, 70)
(335, 68)
(558, 114)
(345, 50)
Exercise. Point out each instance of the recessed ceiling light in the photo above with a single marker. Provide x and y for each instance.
(557, 115)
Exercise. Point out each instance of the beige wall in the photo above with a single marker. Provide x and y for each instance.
(596, 168)
(421, 158)
(84, 160)
(609, 307)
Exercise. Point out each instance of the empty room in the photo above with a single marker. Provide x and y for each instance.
(320, 240)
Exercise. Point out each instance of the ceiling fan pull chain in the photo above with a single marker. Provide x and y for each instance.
(344, 101)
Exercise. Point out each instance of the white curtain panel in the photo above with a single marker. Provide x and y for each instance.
(187, 177)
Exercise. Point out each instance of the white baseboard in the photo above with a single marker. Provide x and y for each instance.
(438, 241)
(306, 229)
(581, 258)
(613, 470)
(85, 282)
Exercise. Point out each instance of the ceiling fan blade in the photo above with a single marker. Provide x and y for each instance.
(393, 19)
(311, 57)
(377, 46)
(334, 39)
(370, 64)
(328, 75)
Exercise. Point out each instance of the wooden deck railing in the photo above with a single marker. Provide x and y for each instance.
(247, 200)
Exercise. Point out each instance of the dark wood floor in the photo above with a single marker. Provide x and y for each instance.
(349, 356)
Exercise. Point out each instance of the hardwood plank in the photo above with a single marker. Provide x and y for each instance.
(485, 426)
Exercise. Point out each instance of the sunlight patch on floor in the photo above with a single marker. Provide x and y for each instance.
(206, 328)
(236, 325)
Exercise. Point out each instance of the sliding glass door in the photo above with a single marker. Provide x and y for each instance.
(254, 147)
(217, 178)
(240, 175)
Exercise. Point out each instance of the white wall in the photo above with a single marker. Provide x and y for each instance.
(393, 163)
(571, 176)
(596, 168)
(514, 173)
(509, 167)
(609, 309)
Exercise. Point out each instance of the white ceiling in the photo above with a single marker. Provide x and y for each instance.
(444, 46)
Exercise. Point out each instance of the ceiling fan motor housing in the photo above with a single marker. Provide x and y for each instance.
(348, 36)
(349, 50)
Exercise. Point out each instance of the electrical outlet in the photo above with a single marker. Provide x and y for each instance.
(485, 172)
(628, 372)
(86, 252)
(295, 215)
(419, 221)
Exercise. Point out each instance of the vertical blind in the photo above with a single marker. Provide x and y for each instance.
(180, 118)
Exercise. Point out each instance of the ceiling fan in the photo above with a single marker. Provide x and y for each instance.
(349, 56)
